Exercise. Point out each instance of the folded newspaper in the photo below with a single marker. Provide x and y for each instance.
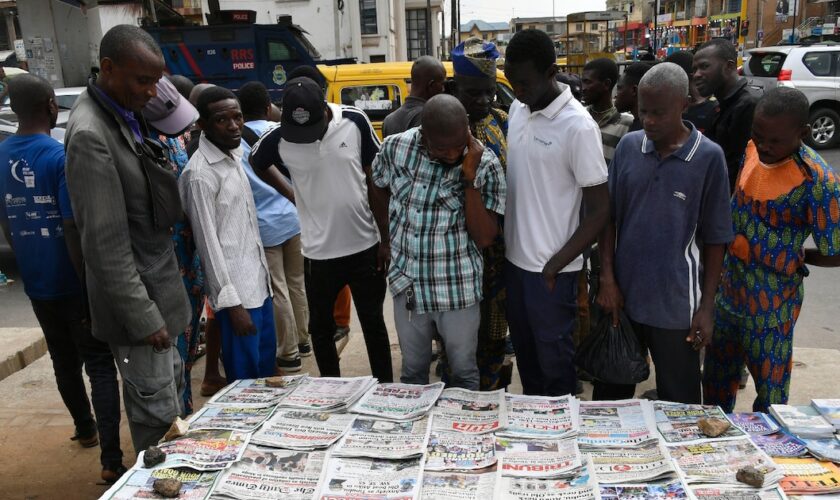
(543, 417)
(138, 483)
(677, 423)
(541, 458)
(459, 451)
(646, 462)
(210, 449)
(365, 478)
(254, 392)
(825, 449)
(723, 492)
(398, 401)
(327, 393)
(781, 444)
(267, 473)
(458, 485)
(829, 409)
(672, 490)
(234, 418)
(468, 411)
(627, 422)
(579, 486)
(387, 439)
(302, 430)
(754, 424)
(718, 462)
(802, 421)
(809, 476)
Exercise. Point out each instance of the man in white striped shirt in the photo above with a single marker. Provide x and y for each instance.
(217, 198)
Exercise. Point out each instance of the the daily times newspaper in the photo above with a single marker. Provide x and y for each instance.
(579, 486)
(458, 485)
(468, 411)
(271, 473)
(327, 393)
(302, 430)
(677, 423)
(627, 422)
(398, 401)
(254, 392)
(643, 463)
(540, 458)
(543, 417)
(137, 483)
(366, 478)
(372, 438)
(718, 462)
(454, 451)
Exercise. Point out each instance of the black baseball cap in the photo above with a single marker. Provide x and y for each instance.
(303, 118)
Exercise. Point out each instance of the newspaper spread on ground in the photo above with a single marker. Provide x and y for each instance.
(389, 439)
(540, 458)
(234, 418)
(302, 430)
(626, 422)
(542, 417)
(398, 401)
(809, 476)
(451, 451)
(458, 485)
(254, 392)
(580, 486)
(677, 422)
(672, 490)
(366, 478)
(781, 444)
(270, 473)
(327, 393)
(211, 449)
(647, 462)
(825, 449)
(718, 492)
(469, 411)
(718, 461)
(755, 423)
(137, 483)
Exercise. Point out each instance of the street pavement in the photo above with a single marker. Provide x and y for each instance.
(40, 462)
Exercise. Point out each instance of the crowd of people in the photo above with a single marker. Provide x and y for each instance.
(170, 201)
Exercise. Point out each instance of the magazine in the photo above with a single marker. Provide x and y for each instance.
(579, 486)
(677, 423)
(718, 492)
(303, 430)
(543, 417)
(825, 449)
(388, 439)
(327, 393)
(270, 473)
(672, 490)
(802, 421)
(254, 392)
(755, 424)
(458, 451)
(458, 485)
(781, 444)
(468, 411)
(538, 458)
(718, 462)
(809, 476)
(138, 483)
(234, 418)
(366, 478)
(644, 463)
(627, 422)
(829, 409)
(398, 401)
(203, 449)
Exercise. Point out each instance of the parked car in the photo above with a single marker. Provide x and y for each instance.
(64, 97)
(813, 69)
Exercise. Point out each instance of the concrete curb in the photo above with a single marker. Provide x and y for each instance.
(21, 347)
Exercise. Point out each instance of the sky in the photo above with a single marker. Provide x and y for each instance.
(504, 10)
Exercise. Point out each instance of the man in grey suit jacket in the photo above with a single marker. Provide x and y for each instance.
(123, 200)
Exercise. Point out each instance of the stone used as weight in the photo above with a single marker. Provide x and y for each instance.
(169, 488)
(713, 427)
(751, 476)
(153, 456)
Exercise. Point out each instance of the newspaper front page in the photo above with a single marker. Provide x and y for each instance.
(719, 461)
(303, 430)
(647, 462)
(754, 423)
(539, 458)
(138, 483)
(327, 393)
(451, 451)
(270, 473)
(717, 492)
(365, 478)
(468, 411)
(388, 439)
(458, 485)
(677, 423)
(627, 422)
(398, 401)
(234, 418)
(809, 476)
(672, 490)
(541, 417)
(580, 486)
(204, 449)
(254, 392)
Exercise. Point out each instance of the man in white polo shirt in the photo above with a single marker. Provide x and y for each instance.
(555, 162)
(328, 149)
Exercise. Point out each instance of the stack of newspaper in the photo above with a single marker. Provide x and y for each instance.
(616, 423)
(459, 451)
(302, 430)
(754, 424)
(328, 393)
(677, 423)
(270, 473)
(825, 449)
(803, 421)
(398, 401)
(647, 462)
(673, 489)
(808, 476)
(386, 439)
(254, 392)
(138, 483)
(781, 444)
(374, 479)
(539, 458)
(542, 417)
(723, 492)
(203, 450)
(829, 409)
(468, 411)
(579, 485)
(717, 462)
(234, 418)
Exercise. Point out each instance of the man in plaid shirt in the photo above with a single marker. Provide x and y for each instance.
(446, 192)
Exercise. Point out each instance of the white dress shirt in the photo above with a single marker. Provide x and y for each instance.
(217, 198)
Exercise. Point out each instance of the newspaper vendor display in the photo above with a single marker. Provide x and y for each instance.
(355, 478)
(754, 424)
(537, 458)
(458, 485)
(303, 430)
(644, 463)
(677, 423)
(672, 490)
(254, 392)
(328, 393)
(234, 418)
(371, 438)
(616, 423)
(268, 473)
(138, 483)
(581, 485)
(474, 412)
(398, 401)
(454, 451)
(204, 450)
(719, 461)
(543, 417)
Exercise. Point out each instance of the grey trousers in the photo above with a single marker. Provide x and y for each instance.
(153, 386)
(459, 330)
(291, 311)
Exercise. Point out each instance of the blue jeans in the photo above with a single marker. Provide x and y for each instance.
(249, 356)
(541, 324)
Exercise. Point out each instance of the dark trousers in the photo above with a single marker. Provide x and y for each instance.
(71, 346)
(324, 280)
(677, 367)
(541, 324)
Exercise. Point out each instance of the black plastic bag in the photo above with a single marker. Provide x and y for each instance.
(613, 354)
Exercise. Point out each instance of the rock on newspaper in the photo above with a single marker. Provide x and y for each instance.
(137, 483)
(469, 411)
(458, 485)
(647, 462)
(266, 473)
(254, 392)
(388, 439)
(540, 458)
(627, 422)
(677, 423)
(452, 451)
(718, 461)
(234, 418)
(542, 417)
(328, 393)
(302, 430)
(365, 478)
(398, 401)
(204, 450)
(580, 486)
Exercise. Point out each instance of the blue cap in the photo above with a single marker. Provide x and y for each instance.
(475, 57)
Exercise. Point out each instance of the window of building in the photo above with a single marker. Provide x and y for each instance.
(377, 101)
(415, 26)
(549, 28)
(593, 26)
(630, 9)
(367, 11)
(579, 27)
(733, 6)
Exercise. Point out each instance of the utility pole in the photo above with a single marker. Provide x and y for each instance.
(429, 27)
(793, 30)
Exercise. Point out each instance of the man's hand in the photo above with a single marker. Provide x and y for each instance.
(383, 257)
(241, 321)
(159, 340)
(702, 327)
(550, 279)
(610, 298)
(471, 160)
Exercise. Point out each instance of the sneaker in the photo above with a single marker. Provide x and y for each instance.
(341, 332)
(305, 350)
(290, 366)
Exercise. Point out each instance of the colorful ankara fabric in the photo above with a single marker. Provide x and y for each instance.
(775, 209)
(475, 57)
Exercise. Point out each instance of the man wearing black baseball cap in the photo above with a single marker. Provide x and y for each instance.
(328, 150)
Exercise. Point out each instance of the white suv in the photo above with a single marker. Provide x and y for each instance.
(813, 69)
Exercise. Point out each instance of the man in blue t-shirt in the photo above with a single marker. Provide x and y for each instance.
(35, 217)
